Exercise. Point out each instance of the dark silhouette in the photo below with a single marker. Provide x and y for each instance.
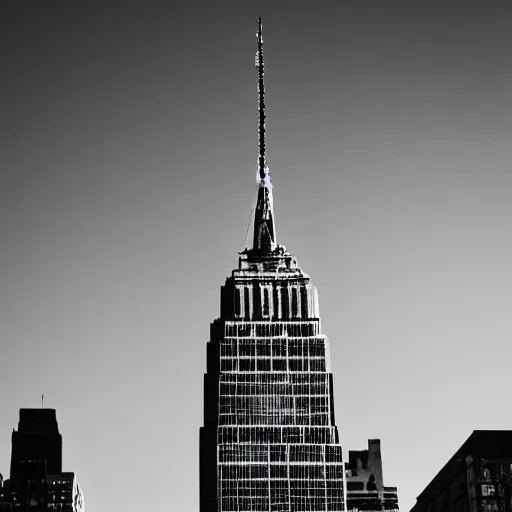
(476, 478)
(37, 481)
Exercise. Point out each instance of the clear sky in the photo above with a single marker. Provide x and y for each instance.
(128, 158)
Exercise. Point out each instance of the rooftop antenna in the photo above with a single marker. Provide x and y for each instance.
(42, 401)
(262, 164)
(264, 230)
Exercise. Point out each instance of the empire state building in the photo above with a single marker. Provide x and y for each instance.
(269, 440)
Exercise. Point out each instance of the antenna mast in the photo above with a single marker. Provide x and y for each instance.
(262, 164)
(264, 229)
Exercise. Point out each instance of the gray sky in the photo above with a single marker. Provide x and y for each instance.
(129, 150)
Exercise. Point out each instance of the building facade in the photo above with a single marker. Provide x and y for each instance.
(477, 478)
(37, 481)
(269, 440)
(365, 483)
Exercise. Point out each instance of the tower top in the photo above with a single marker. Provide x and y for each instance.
(264, 240)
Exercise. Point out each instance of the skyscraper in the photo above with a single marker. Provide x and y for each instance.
(37, 444)
(269, 440)
(37, 481)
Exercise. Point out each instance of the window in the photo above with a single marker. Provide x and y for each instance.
(263, 365)
(489, 506)
(263, 348)
(334, 472)
(488, 490)
(247, 365)
(295, 365)
(266, 301)
(247, 303)
(304, 302)
(246, 349)
(317, 365)
(355, 486)
(295, 302)
(485, 474)
(295, 348)
(238, 301)
(279, 365)
(279, 348)
(279, 471)
(228, 365)
(278, 453)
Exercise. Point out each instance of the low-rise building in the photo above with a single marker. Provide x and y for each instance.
(365, 484)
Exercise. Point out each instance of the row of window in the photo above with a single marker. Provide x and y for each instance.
(271, 329)
(50, 482)
(496, 471)
(278, 435)
(231, 487)
(491, 505)
(268, 302)
(274, 403)
(298, 347)
(272, 365)
(295, 379)
(284, 418)
(301, 503)
(370, 504)
(243, 389)
(280, 453)
(284, 471)
(313, 494)
(271, 410)
(276, 487)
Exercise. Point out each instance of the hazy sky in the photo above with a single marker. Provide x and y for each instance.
(128, 159)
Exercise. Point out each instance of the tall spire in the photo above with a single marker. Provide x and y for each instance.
(262, 163)
(264, 240)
